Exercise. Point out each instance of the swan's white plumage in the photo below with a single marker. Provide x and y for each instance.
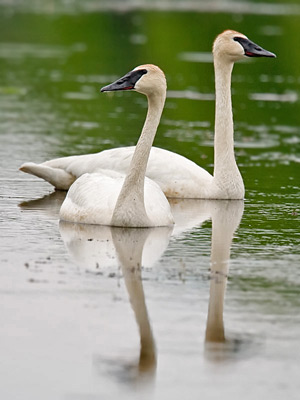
(162, 168)
(177, 176)
(103, 190)
(107, 197)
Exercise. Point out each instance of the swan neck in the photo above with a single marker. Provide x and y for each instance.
(132, 192)
(224, 159)
(138, 165)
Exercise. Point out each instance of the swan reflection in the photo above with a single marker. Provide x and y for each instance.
(97, 247)
(226, 217)
(49, 204)
(129, 244)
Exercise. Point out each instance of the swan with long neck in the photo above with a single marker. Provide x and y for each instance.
(109, 198)
(176, 175)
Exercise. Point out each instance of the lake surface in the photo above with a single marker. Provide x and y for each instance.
(207, 310)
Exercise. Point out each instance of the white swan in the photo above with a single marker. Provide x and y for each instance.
(177, 176)
(109, 198)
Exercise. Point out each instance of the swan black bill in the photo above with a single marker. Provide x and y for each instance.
(127, 82)
(252, 49)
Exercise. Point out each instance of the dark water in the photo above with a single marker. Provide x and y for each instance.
(77, 320)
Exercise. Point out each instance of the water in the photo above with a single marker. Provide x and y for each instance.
(214, 310)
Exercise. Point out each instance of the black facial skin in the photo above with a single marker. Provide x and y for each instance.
(252, 49)
(127, 82)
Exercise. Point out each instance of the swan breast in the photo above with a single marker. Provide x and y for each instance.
(92, 199)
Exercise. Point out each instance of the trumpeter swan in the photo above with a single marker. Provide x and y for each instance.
(176, 175)
(109, 198)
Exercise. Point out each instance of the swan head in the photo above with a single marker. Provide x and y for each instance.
(233, 46)
(146, 79)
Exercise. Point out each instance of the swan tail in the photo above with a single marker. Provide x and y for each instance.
(59, 178)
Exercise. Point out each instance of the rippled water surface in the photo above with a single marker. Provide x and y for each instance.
(214, 310)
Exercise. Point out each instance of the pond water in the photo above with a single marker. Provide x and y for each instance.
(209, 309)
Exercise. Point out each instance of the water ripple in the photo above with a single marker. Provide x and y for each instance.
(290, 97)
(201, 57)
(189, 94)
(23, 50)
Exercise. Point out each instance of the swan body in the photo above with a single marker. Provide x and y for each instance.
(87, 203)
(177, 176)
(162, 168)
(110, 198)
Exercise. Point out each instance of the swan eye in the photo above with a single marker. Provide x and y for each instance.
(127, 82)
(132, 77)
(240, 40)
(246, 43)
(137, 74)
